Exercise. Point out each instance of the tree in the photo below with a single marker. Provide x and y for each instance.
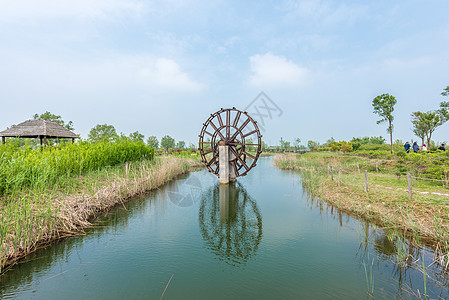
(329, 142)
(425, 123)
(419, 127)
(136, 136)
(384, 107)
(377, 140)
(284, 144)
(312, 145)
(446, 91)
(55, 118)
(297, 142)
(167, 142)
(181, 145)
(103, 132)
(153, 142)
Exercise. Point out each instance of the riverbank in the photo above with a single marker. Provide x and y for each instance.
(32, 218)
(424, 218)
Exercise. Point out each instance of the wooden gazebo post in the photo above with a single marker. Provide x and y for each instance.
(3, 140)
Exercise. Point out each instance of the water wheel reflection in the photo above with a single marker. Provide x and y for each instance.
(230, 223)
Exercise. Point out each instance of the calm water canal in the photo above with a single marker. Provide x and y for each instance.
(264, 238)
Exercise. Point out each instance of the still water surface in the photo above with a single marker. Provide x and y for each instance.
(262, 238)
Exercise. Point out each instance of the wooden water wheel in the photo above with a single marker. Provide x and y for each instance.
(236, 129)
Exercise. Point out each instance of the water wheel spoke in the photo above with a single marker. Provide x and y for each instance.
(240, 129)
(228, 123)
(212, 161)
(234, 166)
(250, 133)
(216, 130)
(238, 157)
(220, 121)
(236, 120)
(250, 155)
(208, 151)
(206, 132)
(235, 144)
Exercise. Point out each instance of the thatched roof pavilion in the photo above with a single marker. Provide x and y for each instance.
(42, 129)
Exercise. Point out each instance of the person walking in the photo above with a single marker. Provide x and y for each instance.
(423, 148)
(407, 147)
(415, 147)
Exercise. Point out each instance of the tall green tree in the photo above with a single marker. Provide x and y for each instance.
(425, 123)
(55, 118)
(153, 142)
(284, 144)
(136, 136)
(103, 132)
(419, 126)
(446, 91)
(297, 142)
(329, 142)
(384, 106)
(377, 140)
(181, 145)
(192, 146)
(312, 145)
(167, 142)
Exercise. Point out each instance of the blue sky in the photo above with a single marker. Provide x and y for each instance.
(161, 67)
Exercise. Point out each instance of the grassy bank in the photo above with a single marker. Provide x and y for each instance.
(425, 217)
(34, 215)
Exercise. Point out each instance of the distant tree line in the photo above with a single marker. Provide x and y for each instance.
(106, 132)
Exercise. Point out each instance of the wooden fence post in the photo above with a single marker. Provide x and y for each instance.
(409, 182)
(366, 181)
(377, 166)
(332, 173)
(339, 176)
(328, 172)
(358, 168)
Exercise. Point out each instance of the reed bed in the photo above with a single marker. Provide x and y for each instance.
(25, 167)
(36, 212)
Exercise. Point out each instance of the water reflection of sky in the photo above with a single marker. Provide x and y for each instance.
(297, 248)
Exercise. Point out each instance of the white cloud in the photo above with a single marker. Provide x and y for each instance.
(17, 10)
(275, 71)
(165, 73)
